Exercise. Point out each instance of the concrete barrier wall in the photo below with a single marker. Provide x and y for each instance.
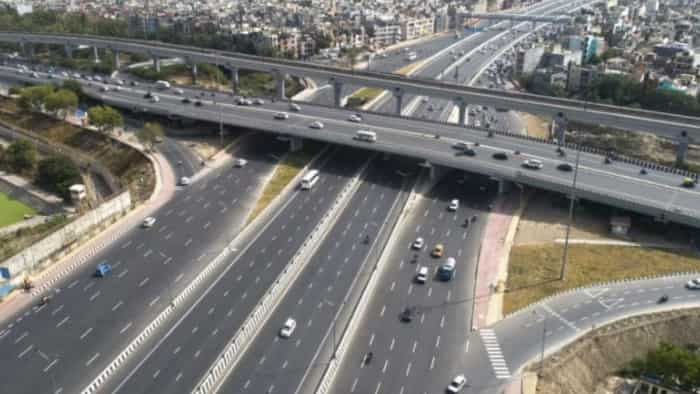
(67, 236)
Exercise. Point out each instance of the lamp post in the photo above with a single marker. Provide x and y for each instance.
(333, 327)
(564, 256)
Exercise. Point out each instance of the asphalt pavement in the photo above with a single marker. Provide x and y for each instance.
(408, 356)
(185, 350)
(276, 365)
(58, 346)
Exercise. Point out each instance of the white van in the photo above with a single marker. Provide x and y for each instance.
(309, 179)
(365, 135)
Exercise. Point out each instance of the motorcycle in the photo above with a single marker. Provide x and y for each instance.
(663, 299)
(368, 357)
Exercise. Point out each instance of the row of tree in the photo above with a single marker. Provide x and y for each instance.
(40, 98)
(53, 173)
(673, 365)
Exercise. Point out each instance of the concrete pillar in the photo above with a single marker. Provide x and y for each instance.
(156, 64)
(95, 55)
(398, 95)
(430, 167)
(69, 51)
(280, 91)
(337, 93)
(117, 61)
(235, 82)
(559, 126)
(295, 143)
(194, 73)
(462, 112)
(682, 149)
(504, 186)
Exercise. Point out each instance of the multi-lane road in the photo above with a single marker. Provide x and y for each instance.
(57, 346)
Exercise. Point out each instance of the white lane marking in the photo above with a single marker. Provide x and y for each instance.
(126, 327)
(62, 322)
(85, 333)
(493, 351)
(51, 364)
(92, 359)
(386, 364)
(25, 351)
(117, 305)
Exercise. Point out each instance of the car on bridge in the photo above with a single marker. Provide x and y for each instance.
(438, 250)
(693, 284)
(566, 167)
(533, 164)
(355, 118)
(281, 116)
(240, 163)
(149, 222)
(688, 182)
(288, 328)
(500, 156)
(316, 125)
(418, 244)
(103, 269)
(457, 384)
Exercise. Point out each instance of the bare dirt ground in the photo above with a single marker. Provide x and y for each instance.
(535, 126)
(206, 146)
(587, 365)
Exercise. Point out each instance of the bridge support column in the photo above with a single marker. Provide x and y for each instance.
(295, 144)
(430, 167)
(558, 130)
(504, 186)
(398, 96)
(337, 93)
(117, 61)
(462, 106)
(682, 149)
(235, 83)
(280, 90)
(194, 73)
(156, 64)
(69, 51)
(95, 55)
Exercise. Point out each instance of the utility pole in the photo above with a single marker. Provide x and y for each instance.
(564, 256)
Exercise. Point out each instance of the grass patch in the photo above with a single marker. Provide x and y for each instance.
(533, 270)
(12, 211)
(363, 96)
(285, 171)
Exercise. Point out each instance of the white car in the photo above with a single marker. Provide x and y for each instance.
(294, 107)
(97, 78)
(155, 99)
(184, 181)
(453, 206)
(240, 163)
(64, 74)
(288, 328)
(422, 275)
(178, 91)
(104, 89)
(533, 164)
(281, 115)
(316, 125)
(693, 284)
(258, 101)
(457, 384)
(354, 118)
(149, 221)
(418, 244)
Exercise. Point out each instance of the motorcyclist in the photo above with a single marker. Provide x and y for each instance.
(368, 357)
(367, 238)
(663, 299)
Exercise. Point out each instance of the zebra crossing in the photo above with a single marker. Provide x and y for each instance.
(493, 350)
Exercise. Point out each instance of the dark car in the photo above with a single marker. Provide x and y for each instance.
(197, 103)
(469, 152)
(566, 167)
(500, 156)
(407, 314)
(148, 95)
(186, 100)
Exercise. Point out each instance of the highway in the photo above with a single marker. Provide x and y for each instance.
(665, 124)
(517, 339)
(186, 349)
(274, 365)
(407, 356)
(619, 184)
(57, 347)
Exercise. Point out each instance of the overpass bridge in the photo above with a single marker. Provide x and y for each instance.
(559, 19)
(679, 127)
(619, 184)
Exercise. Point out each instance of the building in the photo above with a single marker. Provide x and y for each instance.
(527, 60)
(386, 34)
(682, 63)
(307, 46)
(288, 45)
(416, 27)
(580, 78)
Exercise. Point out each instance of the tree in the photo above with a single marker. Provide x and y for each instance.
(21, 156)
(105, 118)
(149, 134)
(32, 98)
(61, 101)
(672, 364)
(352, 54)
(57, 174)
(74, 86)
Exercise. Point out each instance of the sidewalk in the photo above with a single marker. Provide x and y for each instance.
(493, 258)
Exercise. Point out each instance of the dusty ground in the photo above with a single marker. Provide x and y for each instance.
(206, 146)
(535, 126)
(585, 366)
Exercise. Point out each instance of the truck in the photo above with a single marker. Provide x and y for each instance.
(162, 85)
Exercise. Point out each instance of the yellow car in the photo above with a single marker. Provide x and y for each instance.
(688, 182)
(437, 250)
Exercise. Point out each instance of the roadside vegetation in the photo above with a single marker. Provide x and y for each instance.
(12, 211)
(285, 171)
(533, 270)
(673, 365)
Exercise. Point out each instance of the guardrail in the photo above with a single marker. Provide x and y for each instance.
(367, 78)
(245, 335)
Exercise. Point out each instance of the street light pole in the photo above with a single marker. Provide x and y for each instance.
(564, 257)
